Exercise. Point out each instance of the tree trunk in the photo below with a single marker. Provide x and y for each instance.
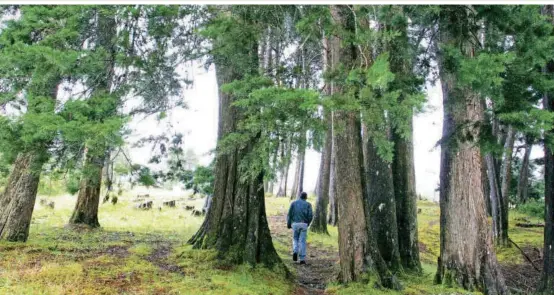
(486, 187)
(496, 210)
(547, 281)
(506, 176)
(357, 249)
(333, 215)
(18, 200)
(86, 208)
(294, 189)
(382, 207)
(406, 200)
(523, 181)
(88, 199)
(282, 192)
(467, 256)
(319, 223)
(236, 225)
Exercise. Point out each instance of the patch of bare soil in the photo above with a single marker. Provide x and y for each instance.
(523, 278)
(160, 255)
(321, 266)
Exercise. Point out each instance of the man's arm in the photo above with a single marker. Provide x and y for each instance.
(310, 214)
(289, 217)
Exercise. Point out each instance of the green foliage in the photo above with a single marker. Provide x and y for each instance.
(534, 208)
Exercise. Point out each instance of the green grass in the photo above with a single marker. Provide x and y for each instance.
(116, 258)
(120, 258)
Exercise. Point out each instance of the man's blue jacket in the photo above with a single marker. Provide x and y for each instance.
(300, 211)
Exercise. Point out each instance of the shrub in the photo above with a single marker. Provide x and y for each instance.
(533, 208)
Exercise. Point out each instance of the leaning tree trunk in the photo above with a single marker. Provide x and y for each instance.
(18, 200)
(382, 206)
(319, 223)
(88, 199)
(523, 181)
(506, 176)
(467, 256)
(236, 225)
(406, 200)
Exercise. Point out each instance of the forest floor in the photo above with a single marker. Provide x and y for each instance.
(145, 252)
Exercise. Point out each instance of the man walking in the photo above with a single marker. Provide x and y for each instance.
(299, 218)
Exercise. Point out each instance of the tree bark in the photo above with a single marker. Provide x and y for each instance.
(523, 181)
(467, 256)
(18, 200)
(88, 199)
(282, 192)
(357, 248)
(236, 225)
(506, 176)
(382, 207)
(298, 184)
(496, 210)
(333, 215)
(486, 187)
(406, 200)
(319, 224)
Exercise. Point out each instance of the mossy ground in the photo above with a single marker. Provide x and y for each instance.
(145, 252)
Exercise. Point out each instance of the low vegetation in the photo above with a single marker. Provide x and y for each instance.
(145, 252)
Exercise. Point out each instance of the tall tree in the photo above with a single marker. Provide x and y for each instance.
(39, 51)
(467, 257)
(236, 224)
(357, 247)
(523, 180)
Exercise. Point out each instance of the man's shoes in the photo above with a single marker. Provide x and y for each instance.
(294, 256)
(302, 262)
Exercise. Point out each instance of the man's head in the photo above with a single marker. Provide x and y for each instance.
(303, 195)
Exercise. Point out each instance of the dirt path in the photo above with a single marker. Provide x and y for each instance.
(313, 277)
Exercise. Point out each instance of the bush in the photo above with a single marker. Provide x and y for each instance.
(533, 208)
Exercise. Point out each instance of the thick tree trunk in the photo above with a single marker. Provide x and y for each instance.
(406, 201)
(18, 200)
(88, 199)
(467, 256)
(319, 223)
(357, 248)
(382, 207)
(523, 181)
(86, 208)
(236, 224)
(282, 192)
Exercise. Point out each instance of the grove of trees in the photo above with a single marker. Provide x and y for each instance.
(345, 80)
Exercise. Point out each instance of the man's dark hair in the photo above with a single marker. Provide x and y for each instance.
(303, 195)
